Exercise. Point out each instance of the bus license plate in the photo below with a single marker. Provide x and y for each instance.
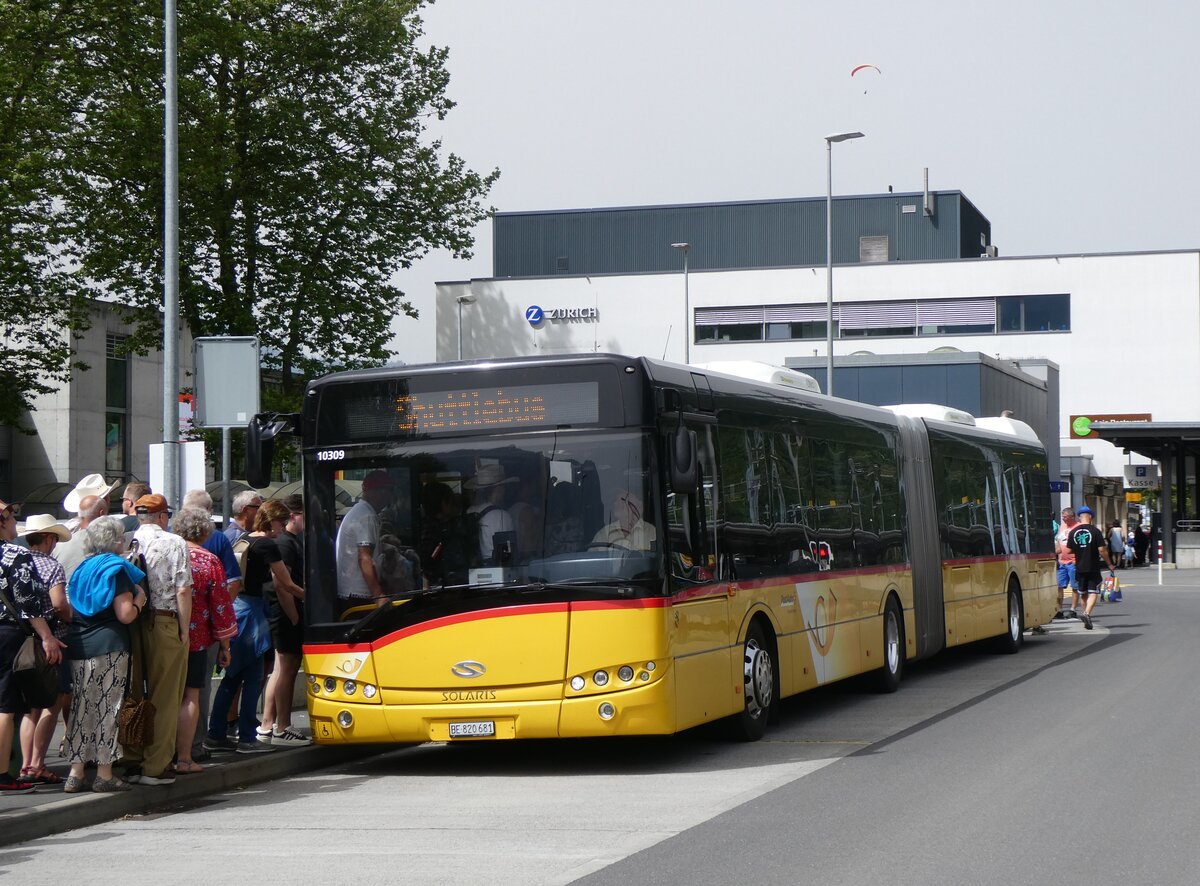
(473, 729)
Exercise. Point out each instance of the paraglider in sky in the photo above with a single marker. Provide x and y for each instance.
(865, 73)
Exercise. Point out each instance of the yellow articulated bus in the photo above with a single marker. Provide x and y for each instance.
(605, 545)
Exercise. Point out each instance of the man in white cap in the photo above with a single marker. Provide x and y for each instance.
(491, 487)
(92, 484)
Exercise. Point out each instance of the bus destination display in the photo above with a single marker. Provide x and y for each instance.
(499, 408)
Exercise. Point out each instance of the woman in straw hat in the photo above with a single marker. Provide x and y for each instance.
(43, 533)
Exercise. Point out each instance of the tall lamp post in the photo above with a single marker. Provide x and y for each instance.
(462, 300)
(685, 248)
(829, 140)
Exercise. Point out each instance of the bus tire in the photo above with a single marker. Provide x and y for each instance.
(893, 648)
(1010, 642)
(759, 685)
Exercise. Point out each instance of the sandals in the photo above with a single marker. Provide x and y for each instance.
(186, 767)
(40, 776)
(76, 785)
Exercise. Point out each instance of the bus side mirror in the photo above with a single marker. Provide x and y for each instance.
(683, 461)
(260, 444)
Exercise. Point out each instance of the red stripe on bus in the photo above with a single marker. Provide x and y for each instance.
(445, 621)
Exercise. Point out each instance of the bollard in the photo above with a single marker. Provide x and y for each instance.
(1160, 561)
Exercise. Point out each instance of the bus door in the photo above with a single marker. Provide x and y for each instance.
(700, 619)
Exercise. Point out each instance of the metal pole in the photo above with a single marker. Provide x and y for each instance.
(226, 473)
(829, 267)
(460, 329)
(687, 313)
(170, 261)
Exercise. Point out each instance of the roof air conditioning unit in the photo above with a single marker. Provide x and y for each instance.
(989, 252)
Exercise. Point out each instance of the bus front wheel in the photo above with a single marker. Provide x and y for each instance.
(758, 689)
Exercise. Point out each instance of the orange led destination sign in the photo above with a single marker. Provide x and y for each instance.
(508, 407)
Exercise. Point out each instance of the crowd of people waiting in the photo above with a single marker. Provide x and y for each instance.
(150, 604)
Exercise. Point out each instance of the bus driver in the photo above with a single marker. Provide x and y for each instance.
(628, 529)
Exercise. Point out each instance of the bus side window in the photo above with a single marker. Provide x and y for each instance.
(696, 516)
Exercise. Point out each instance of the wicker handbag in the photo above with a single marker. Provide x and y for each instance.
(135, 719)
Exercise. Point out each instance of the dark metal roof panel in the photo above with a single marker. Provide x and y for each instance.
(724, 236)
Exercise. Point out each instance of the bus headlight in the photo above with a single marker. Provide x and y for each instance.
(345, 719)
(330, 685)
(600, 678)
(577, 683)
(350, 687)
(606, 710)
(315, 687)
(626, 673)
(369, 690)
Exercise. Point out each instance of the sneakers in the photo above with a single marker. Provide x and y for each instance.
(219, 744)
(9, 785)
(165, 778)
(1038, 629)
(263, 733)
(133, 774)
(254, 747)
(290, 737)
(1087, 621)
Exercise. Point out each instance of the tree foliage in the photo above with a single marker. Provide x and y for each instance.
(39, 289)
(306, 174)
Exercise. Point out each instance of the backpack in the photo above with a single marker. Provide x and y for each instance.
(133, 553)
(240, 549)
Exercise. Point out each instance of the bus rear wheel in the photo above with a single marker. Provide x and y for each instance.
(893, 648)
(1013, 637)
(758, 687)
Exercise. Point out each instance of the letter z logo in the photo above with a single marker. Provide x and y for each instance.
(534, 314)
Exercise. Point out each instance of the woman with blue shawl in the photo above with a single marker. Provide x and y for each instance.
(106, 597)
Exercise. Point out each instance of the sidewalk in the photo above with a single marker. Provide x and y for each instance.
(50, 811)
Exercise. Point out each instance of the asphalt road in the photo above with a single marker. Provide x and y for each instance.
(1072, 762)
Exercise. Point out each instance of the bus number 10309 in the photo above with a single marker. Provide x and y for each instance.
(331, 455)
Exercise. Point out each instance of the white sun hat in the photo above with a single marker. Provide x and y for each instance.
(36, 523)
(92, 484)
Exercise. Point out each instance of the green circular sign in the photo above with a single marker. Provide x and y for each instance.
(1082, 426)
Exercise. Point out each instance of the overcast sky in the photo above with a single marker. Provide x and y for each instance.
(1072, 126)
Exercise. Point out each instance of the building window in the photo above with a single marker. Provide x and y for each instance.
(794, 331)
(901, 318)
(1034, 313)
(116, 407)
(730, 332)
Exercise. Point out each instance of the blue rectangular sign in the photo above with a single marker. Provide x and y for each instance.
(1060, 485)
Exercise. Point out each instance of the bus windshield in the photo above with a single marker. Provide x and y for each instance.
(559, 508)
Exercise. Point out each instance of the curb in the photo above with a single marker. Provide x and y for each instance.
(85, 810)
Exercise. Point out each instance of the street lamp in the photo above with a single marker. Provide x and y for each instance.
(829, 140)
(685, 248)
(462, 300)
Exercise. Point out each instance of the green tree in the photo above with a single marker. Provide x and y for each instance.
(307, 177)
(39, 291)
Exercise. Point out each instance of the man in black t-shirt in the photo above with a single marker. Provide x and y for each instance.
(1088, 544)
